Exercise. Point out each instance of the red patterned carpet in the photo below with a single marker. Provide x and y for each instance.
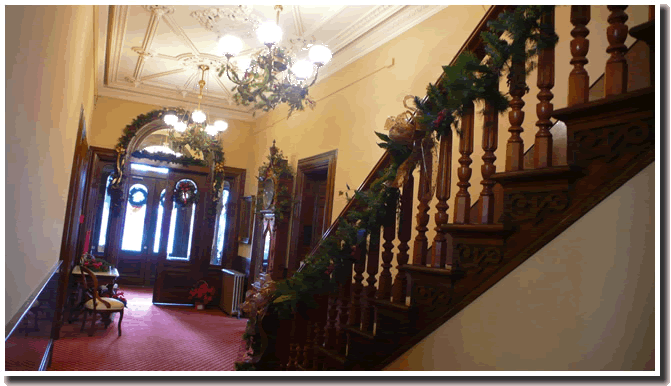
(154, 338)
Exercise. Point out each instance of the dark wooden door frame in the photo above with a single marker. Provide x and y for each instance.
(71, 225)
(316, 163)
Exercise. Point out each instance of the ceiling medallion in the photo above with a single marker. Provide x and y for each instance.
(235, 18)
(274, 75)
(195, 61)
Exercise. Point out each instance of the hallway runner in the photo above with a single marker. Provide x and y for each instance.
(154, 338)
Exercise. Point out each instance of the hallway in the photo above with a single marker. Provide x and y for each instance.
(166, 338)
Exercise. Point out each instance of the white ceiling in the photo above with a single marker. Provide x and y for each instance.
(152, 53)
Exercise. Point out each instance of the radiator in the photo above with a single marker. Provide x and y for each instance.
(232, 293)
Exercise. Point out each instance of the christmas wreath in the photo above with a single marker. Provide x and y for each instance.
(185, 193)
(137, 196)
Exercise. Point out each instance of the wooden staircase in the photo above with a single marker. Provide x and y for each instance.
(365, 326)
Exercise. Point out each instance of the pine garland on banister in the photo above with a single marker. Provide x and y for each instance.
(467, 80)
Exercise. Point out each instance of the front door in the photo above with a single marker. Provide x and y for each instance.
(143, 217)
(184, 251)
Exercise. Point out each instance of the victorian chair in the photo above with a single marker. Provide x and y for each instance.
(97, 304)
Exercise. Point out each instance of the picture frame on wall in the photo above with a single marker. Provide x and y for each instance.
(246, 219)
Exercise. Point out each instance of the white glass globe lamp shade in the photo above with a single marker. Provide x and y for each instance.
(302, 69)
(211, 130)
(243, 64)
(198, 116)
(170, 119)
(180, 127)
(230, 45)
(319, 55)
(269, 33)
(220, 125)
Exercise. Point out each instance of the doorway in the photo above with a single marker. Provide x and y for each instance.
(315, 184)
(143, 219)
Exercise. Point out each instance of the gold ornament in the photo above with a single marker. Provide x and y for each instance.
(401, 128)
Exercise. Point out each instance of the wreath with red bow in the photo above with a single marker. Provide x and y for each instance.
(185, 193)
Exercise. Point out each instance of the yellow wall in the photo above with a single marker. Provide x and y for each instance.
(585, 301)
(49, 58)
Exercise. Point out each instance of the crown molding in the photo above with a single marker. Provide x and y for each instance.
(144, 96)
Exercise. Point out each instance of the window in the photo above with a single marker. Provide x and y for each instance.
(220, 228)
(159, 222)
(104, 219)
(133, 229)
(181, 229)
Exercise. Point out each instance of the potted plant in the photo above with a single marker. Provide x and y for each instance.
(202, 294)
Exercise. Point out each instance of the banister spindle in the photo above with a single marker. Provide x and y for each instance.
(389, 233)
(343, 308)
(404, 235)
(544, 108)
(490, 140)
(421, 246)
(615, 79)
(515, 145)
(357, 288)
(578, 80)
(462, 206)
(444, 179)
(367, 319)
(308, 348)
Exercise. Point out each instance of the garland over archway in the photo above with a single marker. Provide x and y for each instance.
(194, 136)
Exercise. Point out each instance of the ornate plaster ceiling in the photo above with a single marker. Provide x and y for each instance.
(152, 52)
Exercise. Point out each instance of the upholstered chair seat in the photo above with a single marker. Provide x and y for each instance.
(114, 304)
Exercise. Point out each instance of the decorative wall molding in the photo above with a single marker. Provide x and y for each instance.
(477, 257)
(535, 206)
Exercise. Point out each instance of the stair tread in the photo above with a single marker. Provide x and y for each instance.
(360, 332)
(430, 270)
(554, 172)
(390, 304)
(639, 99)
(334, 355)
(477, 228)
(644, 31)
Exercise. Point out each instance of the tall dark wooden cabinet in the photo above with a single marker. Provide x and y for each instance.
(274, 203)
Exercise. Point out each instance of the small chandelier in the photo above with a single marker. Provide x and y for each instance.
(198, 119)
(273, 76)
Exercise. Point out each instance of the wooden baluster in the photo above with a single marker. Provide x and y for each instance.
(330, 328)
(357, 288)
(404, 235)
(544, 108)
(462, 206)
(343, 308)
(293, 352)
(490, 140)
(308, 348)
(367, 319)
(515, 145)
(319, 342)
(578, 80)
(389, 232)
(615, 80)
(421, 246)
(439, 251)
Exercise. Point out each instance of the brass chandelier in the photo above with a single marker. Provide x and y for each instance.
(273, 75)
(196, 123)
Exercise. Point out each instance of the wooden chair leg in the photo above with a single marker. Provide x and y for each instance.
(93, 323)
(120, 319)
(84, 322)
